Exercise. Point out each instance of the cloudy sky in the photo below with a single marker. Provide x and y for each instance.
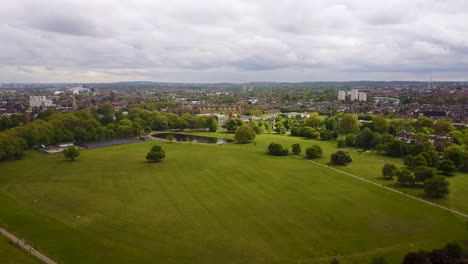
(232, 40)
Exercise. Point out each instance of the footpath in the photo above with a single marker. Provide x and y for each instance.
(26, 247)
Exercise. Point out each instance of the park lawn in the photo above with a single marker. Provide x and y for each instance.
(12, 254)
(210, 204)
(367, 165)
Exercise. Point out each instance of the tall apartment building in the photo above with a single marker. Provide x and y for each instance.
(362, 96)
(354, 94)
(39, 101)
(341, 95)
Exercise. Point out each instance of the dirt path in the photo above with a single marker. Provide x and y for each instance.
(390, 189)
(27, 247)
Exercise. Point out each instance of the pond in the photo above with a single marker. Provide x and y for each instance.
(193, 138)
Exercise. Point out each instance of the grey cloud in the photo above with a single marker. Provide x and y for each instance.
(235, 40)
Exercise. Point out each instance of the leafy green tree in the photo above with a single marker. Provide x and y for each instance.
(314, 152)
(244, 134)
(350, 140)
(156, 154)
(396, 148)
(309, 132)
(414, 161)
(348, 124)
(325, 134)
(447, 167)
(296, 149)
(389, 170)
(276, 149)
(423, 121)
(211, 124)
(232, 124)
(71, 152)
(341, 157)
(457, 154)
(170, 137)
(380, 124)
(436, 187)
(405, 176)
(443, 127)
(330, 123)
(364, 138)
(279, 128)
(340, 143)
(314, 120)
(422, 173)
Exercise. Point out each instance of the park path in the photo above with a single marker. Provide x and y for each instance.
(27, 247)
(388, 188)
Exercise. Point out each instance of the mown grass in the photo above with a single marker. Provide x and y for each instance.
(210, 204)
(366, 165)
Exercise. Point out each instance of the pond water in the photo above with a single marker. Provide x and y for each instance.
(193, 138)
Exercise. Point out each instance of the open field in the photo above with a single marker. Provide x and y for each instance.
(11, 254)
(367, 165)
(210, 204)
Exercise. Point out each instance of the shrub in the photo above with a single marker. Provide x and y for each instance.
(405, 176)
(244, 134)
(389, 170)
(156, 154)
(422, 173)
(314, 152)
(71, 153)
(276, 149)
(296, 149)
(341, 158)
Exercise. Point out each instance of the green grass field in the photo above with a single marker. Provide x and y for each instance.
(210, 204)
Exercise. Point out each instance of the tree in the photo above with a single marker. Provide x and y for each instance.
(170, 137)
(405, 176)
(447, 167)
(414, 161)
(389, 170)
(422, 173)
(436, 187)
(314, 120)
(276, 149)
(314, 152)
(443, 127)
(457, 154)
(212, 124)
(71, 153)
(309, 132)
(232, 124)
(380, 124)
(279, 128)
(348, 124)
(364, 138)
(156, 154)
(296, 149)
(330, 123)
(396, 148)
(341, 157)
(244, 134)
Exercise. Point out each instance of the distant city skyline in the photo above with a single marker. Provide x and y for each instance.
(232, 41)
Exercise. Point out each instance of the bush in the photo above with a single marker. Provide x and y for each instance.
(314, 152)
(341, 158)
(296, 149)
(156, 154)
(276, 149)
(389, 170)
(244, 134)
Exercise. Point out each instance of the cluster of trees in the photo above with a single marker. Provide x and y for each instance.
(452, 253)
(149, 120)
(244, 134)
(276, 149)
(232, 124)
(341, 157)
(7, 122)
(71, 153)
(434, 186)
(100, 123)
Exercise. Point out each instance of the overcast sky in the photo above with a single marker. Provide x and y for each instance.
(232, 40)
